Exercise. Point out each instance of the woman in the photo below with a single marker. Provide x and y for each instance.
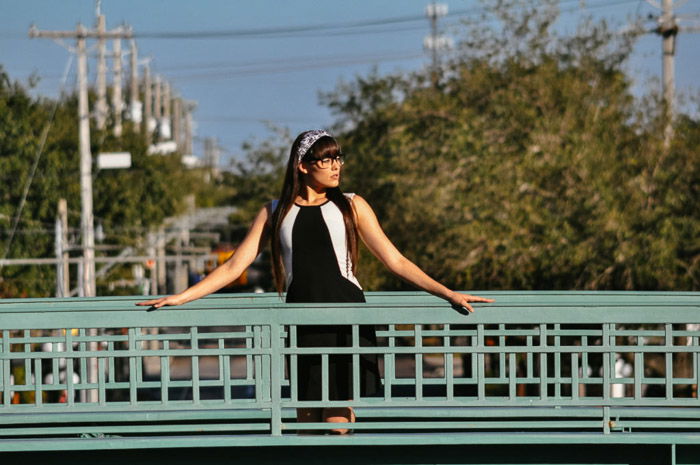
(313, 230)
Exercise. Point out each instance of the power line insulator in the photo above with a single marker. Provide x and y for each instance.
(436, 10)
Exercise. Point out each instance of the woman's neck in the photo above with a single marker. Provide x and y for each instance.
(310, 195)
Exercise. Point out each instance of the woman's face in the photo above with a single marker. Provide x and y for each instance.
(323, 174)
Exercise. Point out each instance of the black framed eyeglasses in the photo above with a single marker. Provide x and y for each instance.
(327, 162)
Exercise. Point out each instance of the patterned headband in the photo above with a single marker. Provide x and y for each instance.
(309, 139)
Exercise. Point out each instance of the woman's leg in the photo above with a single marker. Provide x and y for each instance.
(339, 415)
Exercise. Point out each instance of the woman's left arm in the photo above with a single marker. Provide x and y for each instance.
(379, 244)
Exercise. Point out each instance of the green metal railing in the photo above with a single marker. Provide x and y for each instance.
(543, 367)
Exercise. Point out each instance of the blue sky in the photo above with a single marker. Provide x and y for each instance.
(241, 83)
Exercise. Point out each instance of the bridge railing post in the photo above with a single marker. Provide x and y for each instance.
(276, 377)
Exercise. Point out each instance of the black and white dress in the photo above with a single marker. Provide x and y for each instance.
(319, 269)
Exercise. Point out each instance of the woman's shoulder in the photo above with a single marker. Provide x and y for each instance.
(354, 197)
(359, 204)
(268, 209)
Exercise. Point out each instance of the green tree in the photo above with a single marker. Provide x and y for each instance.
(531, 165)
(126, 202)
(24, 136)
(257, 178)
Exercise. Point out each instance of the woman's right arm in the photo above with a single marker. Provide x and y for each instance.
(244, 255)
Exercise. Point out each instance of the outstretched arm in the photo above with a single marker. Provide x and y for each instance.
(245, 255)
(379, 244)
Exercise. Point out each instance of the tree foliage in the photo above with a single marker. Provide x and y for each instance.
(531, 165)
(126, 202)
(257, 178)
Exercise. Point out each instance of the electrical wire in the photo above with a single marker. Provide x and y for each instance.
(327, 30)
(300, 63)
(37, 157)
(338, 28)
(285, 32)
(220, 65)
(254, 32)
(300, 66)
(254, 119)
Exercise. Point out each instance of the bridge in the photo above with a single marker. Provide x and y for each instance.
(536, 377)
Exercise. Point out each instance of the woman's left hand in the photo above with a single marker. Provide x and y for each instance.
(462, 300)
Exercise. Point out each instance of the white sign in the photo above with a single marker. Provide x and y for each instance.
(136, 112)
(164, 128)
(162, 148)
(191, 161)
(115, 160)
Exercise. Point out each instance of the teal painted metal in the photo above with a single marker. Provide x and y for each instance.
(534, 367)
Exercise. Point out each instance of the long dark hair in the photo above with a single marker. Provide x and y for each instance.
(325, 146)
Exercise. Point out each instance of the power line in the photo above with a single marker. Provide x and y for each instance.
(302, 63)
(288, 60)
(253, 119)
(311, 32)
(327, 30)
(315, 28)
(285, 32)
(300, 66)
(338, 28)
(37, 157)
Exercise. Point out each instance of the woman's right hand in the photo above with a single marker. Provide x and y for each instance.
(170, 300)
(223, 274)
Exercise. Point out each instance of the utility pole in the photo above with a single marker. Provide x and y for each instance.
(161, 270)
(87, 221)
(117, 104)
(147, 101)
(209, 152)
(211, 155)
(151, 252)
(134, 103)
(435, 42)
(101, 84)
(157, 106)
(165, 128)
(189, 108)
(177, 122)
(668, 28)
(62, 267)
(183, 238)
